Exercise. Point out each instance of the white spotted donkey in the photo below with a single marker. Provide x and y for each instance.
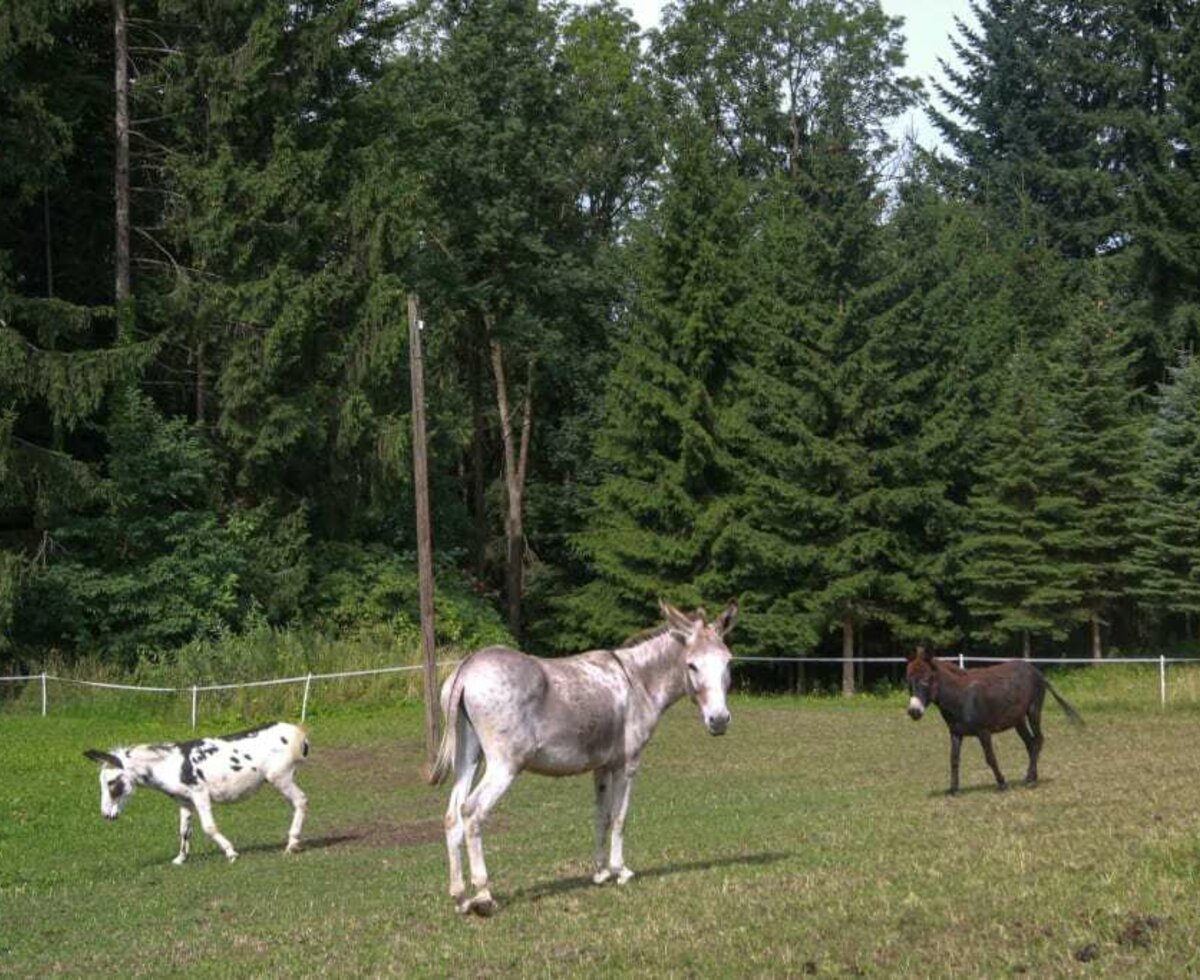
(205, 771)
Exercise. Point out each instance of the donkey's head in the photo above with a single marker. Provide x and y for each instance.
(116, 783)
(922, 682)
(706, 660)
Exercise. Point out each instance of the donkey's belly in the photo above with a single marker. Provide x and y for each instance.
(563, 758)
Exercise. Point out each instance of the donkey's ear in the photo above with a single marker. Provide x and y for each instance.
(924, 653)
(678, 622)
(725, 622)
(917, 654)
(104, 758)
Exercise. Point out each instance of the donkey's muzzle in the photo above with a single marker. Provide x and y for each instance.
(717, 724)
(915, 709)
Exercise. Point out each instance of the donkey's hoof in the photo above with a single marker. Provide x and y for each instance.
(233, 856)
(294, 847)
(178, 862)
(1031, 781)
(602, 876)
(1001, 787)
(624, 876)
(483, 905)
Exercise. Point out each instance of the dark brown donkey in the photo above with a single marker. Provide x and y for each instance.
(981, 701)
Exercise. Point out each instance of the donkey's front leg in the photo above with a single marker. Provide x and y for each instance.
(605, 780)
(622, 788)
(185, 834)
(955, 756)
(204, 812)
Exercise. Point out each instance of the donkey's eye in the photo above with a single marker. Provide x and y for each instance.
(693, 668)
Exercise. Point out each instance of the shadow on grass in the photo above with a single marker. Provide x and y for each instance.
(308, 844)
(989, 788)
(561, 886)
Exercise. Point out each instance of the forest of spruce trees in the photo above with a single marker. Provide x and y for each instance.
(694, 325)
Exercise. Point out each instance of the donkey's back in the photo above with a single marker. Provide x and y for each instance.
(554, 716)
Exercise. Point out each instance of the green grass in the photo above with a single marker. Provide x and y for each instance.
(813, 837)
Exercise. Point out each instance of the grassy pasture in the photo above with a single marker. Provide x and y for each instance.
(812, 838)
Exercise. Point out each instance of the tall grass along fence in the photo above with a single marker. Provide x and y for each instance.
(45, 679)
(195, 690)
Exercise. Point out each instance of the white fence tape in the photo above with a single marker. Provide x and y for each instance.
(306, 679)
(195, 690)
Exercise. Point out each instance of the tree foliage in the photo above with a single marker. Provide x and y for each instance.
(693, 328)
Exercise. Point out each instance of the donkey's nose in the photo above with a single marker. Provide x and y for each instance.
(717, 723)
(915, 709)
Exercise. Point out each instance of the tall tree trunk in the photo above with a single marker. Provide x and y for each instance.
(122, 174)
(478, 504)
(860, 668)
(424, 531)
(1097, 654)
(516, 458)
(847, 654)
(1025, 644)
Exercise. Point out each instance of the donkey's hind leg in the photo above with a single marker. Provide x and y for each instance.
(285, 782)
(466, 762)
(1034, 719)
(1033, 745)
(985, 739)
(497, 777)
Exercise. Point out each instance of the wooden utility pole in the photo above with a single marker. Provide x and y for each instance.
(122, 176)
(424, 529)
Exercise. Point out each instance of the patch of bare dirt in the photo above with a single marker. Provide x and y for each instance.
(398, 763)
(381, 835)
(1139, 930)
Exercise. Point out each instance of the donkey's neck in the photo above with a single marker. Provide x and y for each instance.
(657, 666)
(951, 688)
(141, 760)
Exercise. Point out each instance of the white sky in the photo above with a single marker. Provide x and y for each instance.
(928, 25)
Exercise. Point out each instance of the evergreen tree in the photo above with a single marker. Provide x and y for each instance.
(58, 362)
(1166, 558)
(1100, 436)
(1021, 524)
(150, 567)
(1028, 110)
(662, 499)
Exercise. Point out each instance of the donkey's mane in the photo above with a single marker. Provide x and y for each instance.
(950, 667)
(641, 636)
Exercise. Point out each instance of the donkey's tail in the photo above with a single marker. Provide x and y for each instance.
(451, 705)
(1073, 716)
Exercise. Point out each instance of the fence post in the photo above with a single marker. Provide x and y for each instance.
(304, 703)
(193, 707)
(43, 694)
(961, 665)
(1162, 680)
